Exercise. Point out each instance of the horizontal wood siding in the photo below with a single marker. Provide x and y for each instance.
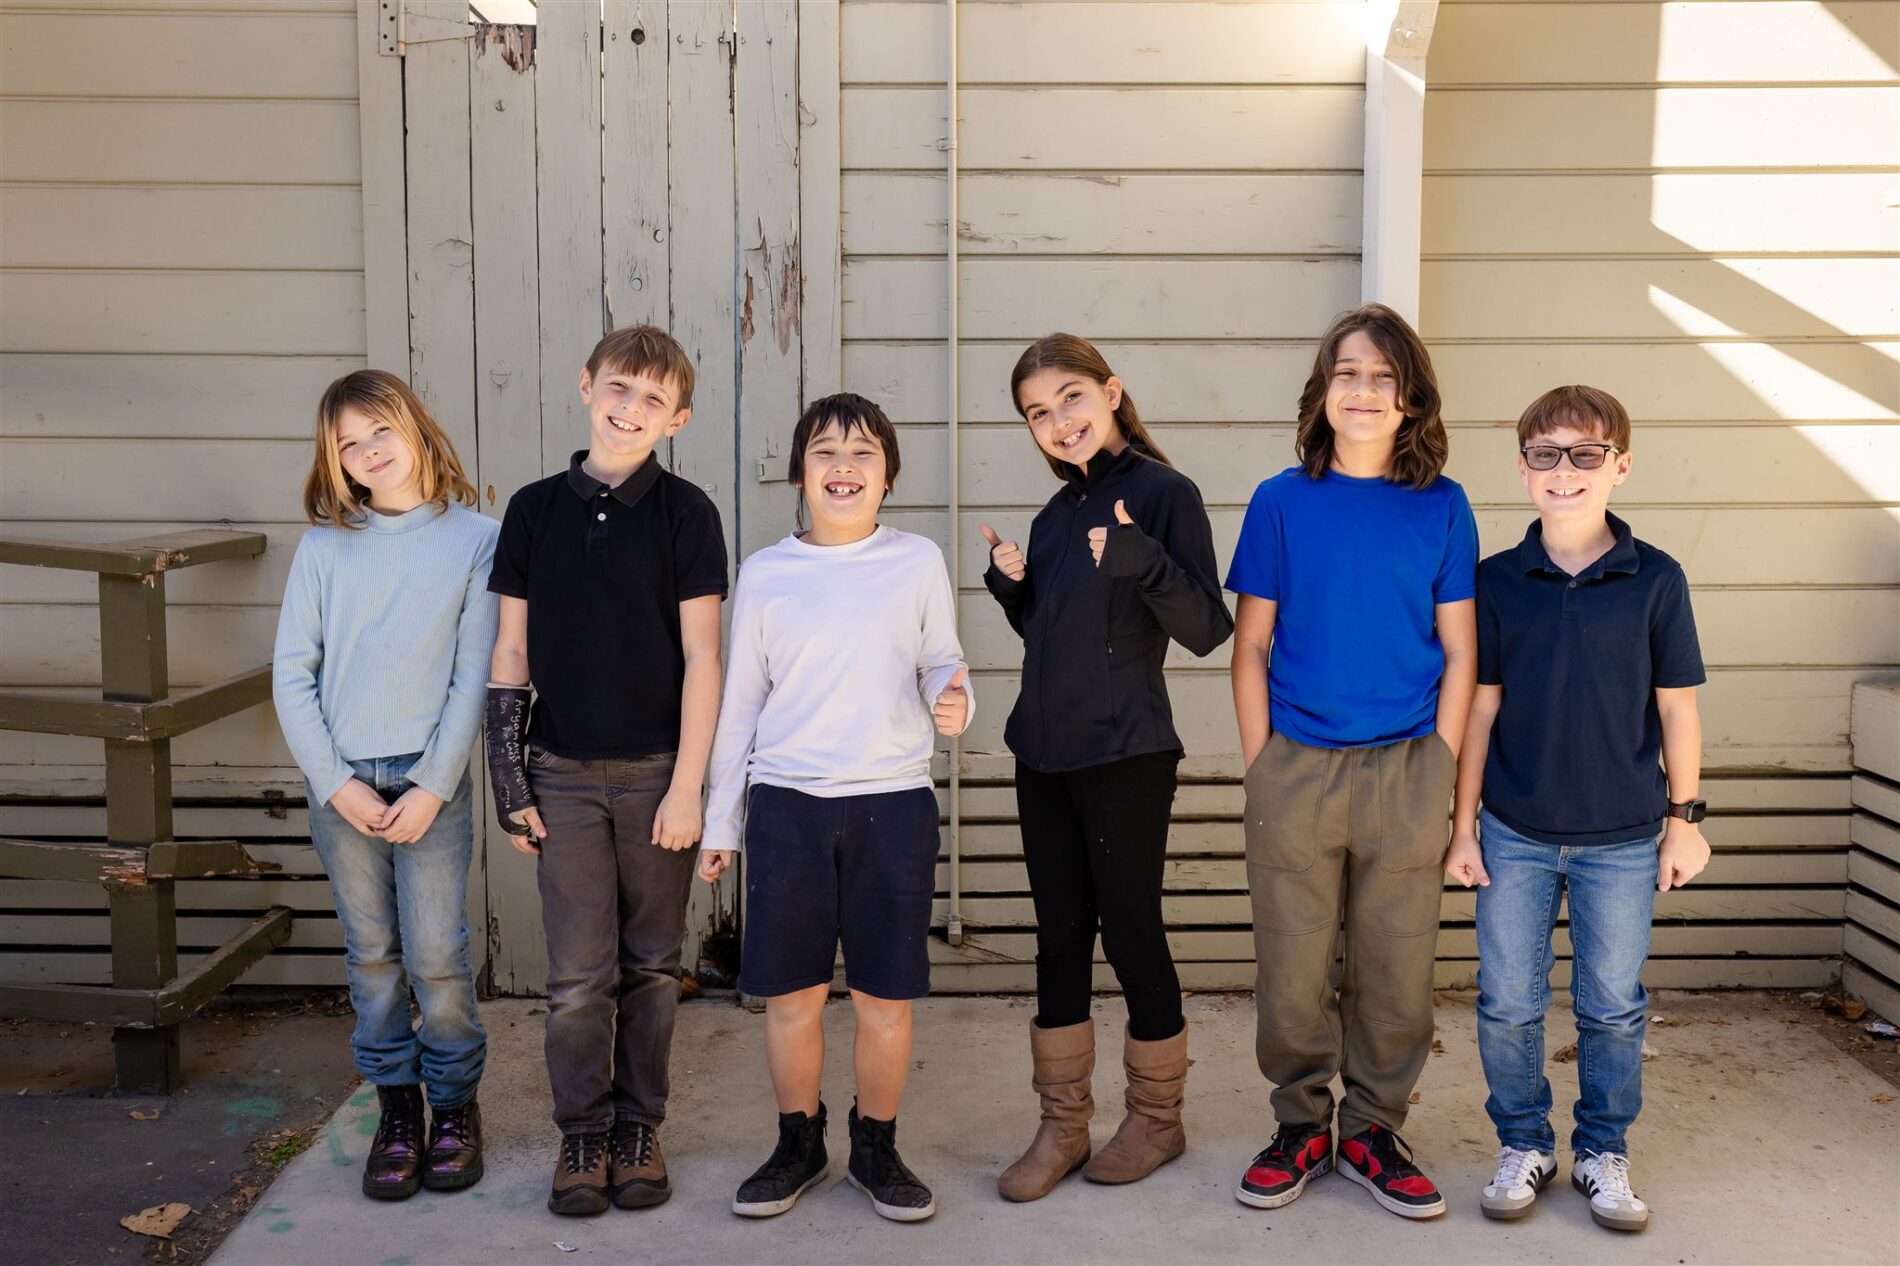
(182, 271)
(1690, 206)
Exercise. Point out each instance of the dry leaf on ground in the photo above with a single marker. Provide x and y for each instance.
(1883, 1098)
(144, 1114)
(159, 1221)
(1565, 1056)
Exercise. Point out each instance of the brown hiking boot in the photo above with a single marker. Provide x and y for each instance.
(636, 1170)
(580, 1176)
(1150, 1135)
(1063, 1060)
(454, 1158)
(394, 1168)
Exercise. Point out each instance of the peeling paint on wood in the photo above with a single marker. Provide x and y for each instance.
(514, 43)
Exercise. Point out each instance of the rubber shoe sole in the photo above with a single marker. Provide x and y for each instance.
(772, 1208)
(1628, 1222)
(579, 1202)
(1511, 1213)
(639, 1195)
(1286, 1197)
(1389, 1204)
(896, 1213)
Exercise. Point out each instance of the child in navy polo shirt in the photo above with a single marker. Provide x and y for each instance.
(1587, 669)
(611, 575)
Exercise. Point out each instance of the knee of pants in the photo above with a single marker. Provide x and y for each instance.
(580, 993)
(1624, 1017)
(1509, 1000)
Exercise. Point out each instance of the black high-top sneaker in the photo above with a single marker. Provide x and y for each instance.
(796, 1164)
(1297, 1155)
(394, 1168)
(878, 1171)
(1378, 1160)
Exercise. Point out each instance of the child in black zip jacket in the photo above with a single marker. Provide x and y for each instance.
(1119, 562)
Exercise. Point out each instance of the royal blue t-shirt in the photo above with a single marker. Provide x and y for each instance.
(1356, 566)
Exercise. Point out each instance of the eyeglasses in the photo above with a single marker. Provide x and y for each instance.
(1582, 456)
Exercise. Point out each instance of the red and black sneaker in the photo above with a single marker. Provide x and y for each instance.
(1378, 1160)
(1297, 1155)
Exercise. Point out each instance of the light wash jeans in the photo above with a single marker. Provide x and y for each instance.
(1612, 890)
(404, 911)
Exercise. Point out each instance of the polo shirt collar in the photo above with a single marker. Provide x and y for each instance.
(627, 492)
(1621, 557)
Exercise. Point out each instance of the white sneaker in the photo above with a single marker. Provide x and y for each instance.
(1605, 1178)
(1520, 1176)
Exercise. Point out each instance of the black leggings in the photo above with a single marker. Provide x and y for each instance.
(1095, 840)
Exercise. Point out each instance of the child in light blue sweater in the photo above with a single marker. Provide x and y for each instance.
(379, 678)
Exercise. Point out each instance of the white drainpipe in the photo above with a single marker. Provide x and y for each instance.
(954, 924)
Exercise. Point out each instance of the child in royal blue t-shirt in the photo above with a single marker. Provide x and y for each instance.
(1354, 665)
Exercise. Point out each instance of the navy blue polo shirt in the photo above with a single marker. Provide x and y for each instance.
(604, 571)
(1576, 752)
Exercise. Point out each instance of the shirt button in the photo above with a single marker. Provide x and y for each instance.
(1573, 584)
(603, 519)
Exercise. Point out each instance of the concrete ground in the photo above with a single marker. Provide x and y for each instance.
(75, 1157)
(1759, 1142)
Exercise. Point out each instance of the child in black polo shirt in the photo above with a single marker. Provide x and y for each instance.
(611, 575)
(1587, 669)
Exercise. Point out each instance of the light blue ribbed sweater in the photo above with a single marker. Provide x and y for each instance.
(383, 645)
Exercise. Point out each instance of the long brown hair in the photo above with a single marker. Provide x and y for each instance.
(1077, 355)
(330, 496)
(1421, 446)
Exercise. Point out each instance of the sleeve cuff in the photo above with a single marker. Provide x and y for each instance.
(339, 776)
(999, 584)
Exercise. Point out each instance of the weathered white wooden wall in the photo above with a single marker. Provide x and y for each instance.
(1180, 183)
(181, 271)
(1690, 205)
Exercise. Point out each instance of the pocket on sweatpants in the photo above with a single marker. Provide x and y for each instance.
(1415, 803)
(1281, 822)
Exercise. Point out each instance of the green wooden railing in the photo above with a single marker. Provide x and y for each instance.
(137, 715)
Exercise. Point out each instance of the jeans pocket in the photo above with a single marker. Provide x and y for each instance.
(1282, 809)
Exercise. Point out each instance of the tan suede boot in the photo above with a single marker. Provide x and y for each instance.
(1150, 1135)
(1064, 1062)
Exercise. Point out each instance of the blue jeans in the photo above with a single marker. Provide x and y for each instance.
(1612, 891)
(404, 911)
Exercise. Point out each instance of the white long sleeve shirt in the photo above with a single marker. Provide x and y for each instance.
(838, 654)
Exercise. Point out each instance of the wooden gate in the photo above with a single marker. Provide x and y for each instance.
(613, 163)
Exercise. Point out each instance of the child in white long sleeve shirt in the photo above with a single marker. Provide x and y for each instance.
(844, 658)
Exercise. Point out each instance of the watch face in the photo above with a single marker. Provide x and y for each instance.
(1693, 811)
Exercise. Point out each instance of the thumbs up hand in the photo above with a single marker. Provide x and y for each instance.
(1004, 555)
(953, 705)
(1098, 537)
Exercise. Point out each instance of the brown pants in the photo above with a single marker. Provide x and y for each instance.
(1360, 831)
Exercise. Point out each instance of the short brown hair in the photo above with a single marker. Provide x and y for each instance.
(851, 412)
(330, 496)
(645, 349)
(1421, 446)
(1589, 409)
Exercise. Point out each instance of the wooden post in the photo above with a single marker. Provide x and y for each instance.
(143, 911)
(1395, 154)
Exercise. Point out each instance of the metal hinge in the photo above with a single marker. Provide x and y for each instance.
(400, 24)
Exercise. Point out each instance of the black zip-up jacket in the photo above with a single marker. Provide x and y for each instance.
(1094, 637)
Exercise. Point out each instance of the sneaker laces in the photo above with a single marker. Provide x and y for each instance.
(1516, 1169)
(580, 1153)
(633, 1144)
(1390, 1147)
(1287, 1143)
(1612, 1175)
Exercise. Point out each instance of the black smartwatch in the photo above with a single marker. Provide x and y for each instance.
(1689, 810)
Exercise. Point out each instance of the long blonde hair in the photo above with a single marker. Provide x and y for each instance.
(1077, 355)
(330, 496)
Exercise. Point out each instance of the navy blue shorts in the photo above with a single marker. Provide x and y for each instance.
(819, 869)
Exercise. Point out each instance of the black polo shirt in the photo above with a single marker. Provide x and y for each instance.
(1576, 751)
(604, 571)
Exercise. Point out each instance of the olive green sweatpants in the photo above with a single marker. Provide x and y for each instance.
(1359, 832)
